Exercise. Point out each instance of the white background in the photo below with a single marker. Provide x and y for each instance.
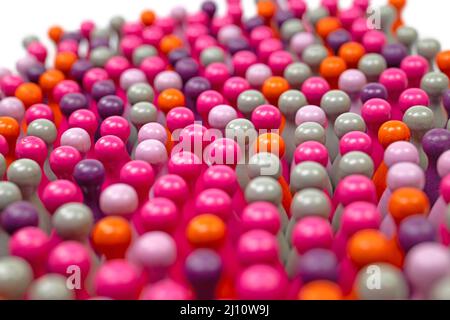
(23, 17)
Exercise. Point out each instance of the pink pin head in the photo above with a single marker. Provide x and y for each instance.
(179, 118)
(119, 199)
(117, 65)
(116, 126)
(261, 215)
(172, 187)
(401, 151)
(311, 151)
(376, 111)
(266, 117)
(159, 214)
(233, 87)
(31, 244)
(194, 31)
(311, 113)
(259, 34)
(92, 76)
(138, 174)
(221, 177)
(151, 151)
(268, 46)
(221, 115)
(349, 15)
(84, 119)
(257, 247)
(152, 35)
(167, 24)
(109, 149)
(395, 80)
(63, 161)
(12, 107)
(279, 60)
(77, 138)
(228, 33)
(86, 28)
(352, 81)
(261, 282)
(355, 141)
(166, 289)
(152, 130)
(132, 28)
(129, 44)
(214, 201)
(68, 45)
(405, 175)
(413, 97)
(203, 42)
(154, 251)
(33, 148)
(310, 233)
(60, 192)
(415, 67)
(217, 73)
(242, 60)
(185, 164)
(223, 151)
(314, 88)
(206, 101)
(359, 28)
(65, 87)
(67, 255)
(4, 147)
(298, 7)
(38, 111)
(38, 50)
(10, 83)
(356, 188)
(374, 41)
(257, 73)
(152, 66)
(193, 136)
(443, 164)
(300, 41)
(359, 216)
(119, 280)
(167, 80)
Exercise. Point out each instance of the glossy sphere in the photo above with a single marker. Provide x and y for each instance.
(206, 230)
(111, 237)
(406, 202)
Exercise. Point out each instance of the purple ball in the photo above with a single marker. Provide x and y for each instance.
(79, 69)
(110, 106)
(252, 23)
(34, 72)
(89, 173)
(19, 215)
(102, 89)
(337, 38)
(318, 264)
(394, 54)
(282, 16)
(72, 102)
(193, 88)
(414, 230)
(373, 91)
(177, 54)
(436, 142)
(187, 68)
(210, 8)
(238, 44)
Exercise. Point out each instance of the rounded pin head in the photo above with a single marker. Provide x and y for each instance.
(312, 232)
(25, 173)
(355, 141)
(257, 246)
(73, 221)
(405, 175)
(291, 27)
(360, 215)
(203, 269)
(373, 91)
(261, 282)
(20, 214)
(264, 164)
(314, 54)
(43, 129)
(140, 92)
(434, 84)
(264, 189)
(428, 48)
(356, 162)
(318, 264)
(297, 73)
(372, 65)
(335, 103)
(348, 122)
(401, 151)
(16, 276)
(89, 173)
(310, 202)
(435, 142)
(419, 119)
(415, 230)
(407, 35)
(249, 100)
(307, 175)
(9, 193)
(309, 131)
(119, 199)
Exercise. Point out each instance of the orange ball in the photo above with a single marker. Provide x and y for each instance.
(393, 131)
(352, 52)
(327, 25)
(320, 290)
(369, 246)
(266, 9)
(148, 17)
(111, 237)
(406, 202)
(64, 61)
(272, 143)
(206, 230)
(443, 61)
(169, 99)
(29, 93)
(10, 130)
(169, 43)
(49, 79)
(398, 4)
(55, 33)
(331, 68)
(274, 87)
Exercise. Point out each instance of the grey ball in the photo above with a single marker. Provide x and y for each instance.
(73, 221)
(99, 56)
(116, 23)
(428, 48)
(441, 290)
(381, 281)
(407, 35)
(142, 113)
(387, 16)
(142, 52)
(140, 92)
(348, 122)
(314, 54)
(264, 164)
(372, 65)
(307, 175)
(291, 27)
(356, 163)
(264, 189)
(310, 131)
(211, 55)
(434, 84)
(9, 193)
(15, 277)
(310, 202)
(249, 100)
(296, 73)
(44, 129)
(290, 102)
(25, 173)
(419, 118)
(50, 287)
(241, 130)
(102, 33)
(335, 103)
(314, 15)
